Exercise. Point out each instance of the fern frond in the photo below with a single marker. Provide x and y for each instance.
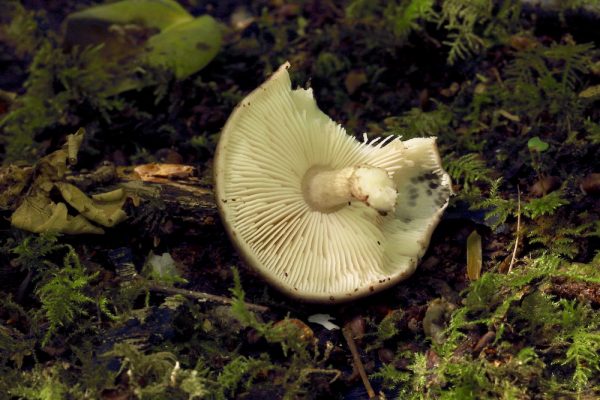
(467, 169)
(584, 355)
(404, 17)
(546, 79)
(576, 59)
(463, 44)
(592, 130)
(545, 205)
(460, 18)
(497, 208)
(565, 238)
(400, 17)
(34, 250)
(418, 123)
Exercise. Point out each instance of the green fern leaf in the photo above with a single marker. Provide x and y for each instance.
(546, 205)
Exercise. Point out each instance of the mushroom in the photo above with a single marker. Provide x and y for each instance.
(320, 215)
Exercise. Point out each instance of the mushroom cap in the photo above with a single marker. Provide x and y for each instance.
(273, 137)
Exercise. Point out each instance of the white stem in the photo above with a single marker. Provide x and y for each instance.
(328, 190)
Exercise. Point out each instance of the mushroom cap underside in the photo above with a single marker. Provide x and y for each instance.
(273, 137)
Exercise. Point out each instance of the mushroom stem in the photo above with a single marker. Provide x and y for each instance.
(328, 190)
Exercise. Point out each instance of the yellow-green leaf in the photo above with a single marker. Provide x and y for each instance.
(187, 47)
(474, 256)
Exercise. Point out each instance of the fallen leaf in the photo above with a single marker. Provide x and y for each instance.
(105, 213)
(150, 172)
(474, 258)
(38, 212)
(354, 80)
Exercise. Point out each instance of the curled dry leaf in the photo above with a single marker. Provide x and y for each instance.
(38, 212)
(105, 213)
(158, 172)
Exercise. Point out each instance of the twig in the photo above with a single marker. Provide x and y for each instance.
(514, 254)
(336, 373)
(203, 296)
(357, 362)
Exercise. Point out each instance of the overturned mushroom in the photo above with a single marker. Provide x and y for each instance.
(320, 215)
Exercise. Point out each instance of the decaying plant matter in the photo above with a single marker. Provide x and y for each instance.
(145, 311)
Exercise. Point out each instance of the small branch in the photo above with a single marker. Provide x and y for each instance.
(357, 362)
(336, 373)
(203, 296)
(514, 255)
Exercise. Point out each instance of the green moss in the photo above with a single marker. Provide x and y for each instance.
(42, 385)
(22, 31)
(62, 294)
(513, 307)
(303, 359)
(149, 373)
(241, 371)
(512, 335)
(583, 354)
(57, 85)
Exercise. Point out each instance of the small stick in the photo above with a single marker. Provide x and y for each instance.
(357, 362)
(514, 255)
(203, 296)
(336, 373)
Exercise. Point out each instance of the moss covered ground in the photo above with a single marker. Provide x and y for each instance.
(510, 88)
